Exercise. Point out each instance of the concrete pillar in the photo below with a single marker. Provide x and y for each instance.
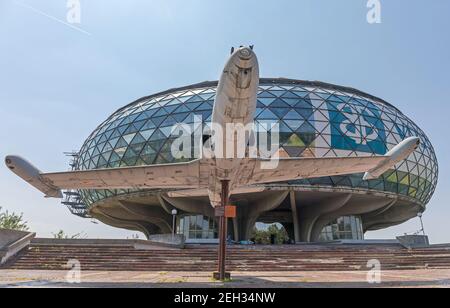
(310, 214)
(236, 229)
(295, 219)
(352, 207)
(248, 214)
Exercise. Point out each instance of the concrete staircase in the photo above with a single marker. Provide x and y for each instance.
(252, 258)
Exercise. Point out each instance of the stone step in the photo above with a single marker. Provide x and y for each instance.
(188, 253)
(249, 259)
(237, 251)
(231, 268)
(312, 264)
(255, 258)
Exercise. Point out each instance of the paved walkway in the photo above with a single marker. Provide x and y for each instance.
(404, 279)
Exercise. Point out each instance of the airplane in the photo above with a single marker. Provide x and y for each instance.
(235, 102)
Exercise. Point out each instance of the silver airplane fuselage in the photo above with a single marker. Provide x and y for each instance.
(234, 110)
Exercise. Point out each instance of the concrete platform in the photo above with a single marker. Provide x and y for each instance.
(390, 279)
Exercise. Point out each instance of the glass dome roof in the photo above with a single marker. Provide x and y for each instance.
(316, 120)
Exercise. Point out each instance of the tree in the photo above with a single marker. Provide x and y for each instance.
(61, 235)
(12, 221)
(264, 237)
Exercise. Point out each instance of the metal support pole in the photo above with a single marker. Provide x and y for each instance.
(222, 274)
(173, 226)
(421, 223)
(174, 214)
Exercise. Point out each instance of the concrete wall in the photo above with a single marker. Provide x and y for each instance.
(12, 242)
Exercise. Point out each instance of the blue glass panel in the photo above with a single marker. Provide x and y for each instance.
(349, 131)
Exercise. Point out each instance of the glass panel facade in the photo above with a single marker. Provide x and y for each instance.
(316, 120)
(197, 227)
(343, 228)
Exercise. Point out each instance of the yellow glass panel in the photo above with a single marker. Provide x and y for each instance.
(295, 141)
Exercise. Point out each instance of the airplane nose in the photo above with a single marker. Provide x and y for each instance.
(245, 53)
(9, 162)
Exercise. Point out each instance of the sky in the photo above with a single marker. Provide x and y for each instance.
(58, 81)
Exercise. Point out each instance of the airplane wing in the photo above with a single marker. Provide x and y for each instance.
(194, 175)
(154, 176)
(303, 168)
(177, 176)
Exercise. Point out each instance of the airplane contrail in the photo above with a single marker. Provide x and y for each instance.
(29, 7)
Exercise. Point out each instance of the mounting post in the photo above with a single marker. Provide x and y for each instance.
(221, 274)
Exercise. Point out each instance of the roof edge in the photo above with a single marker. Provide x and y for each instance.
(286, 81)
